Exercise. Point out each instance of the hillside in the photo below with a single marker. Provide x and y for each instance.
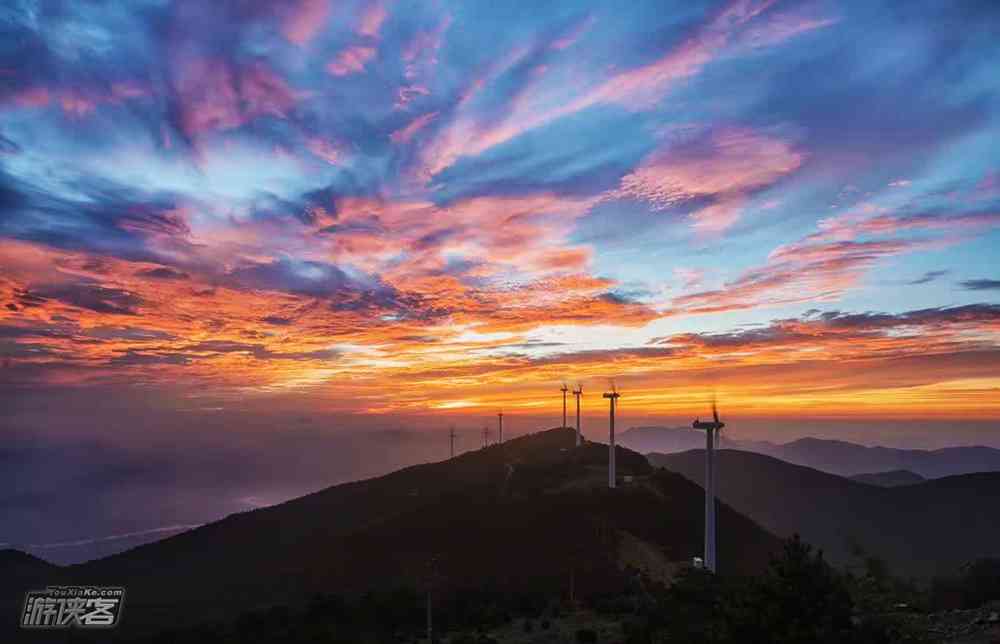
(519, 517)
(921, 530)
(837, 457)
(892, 478)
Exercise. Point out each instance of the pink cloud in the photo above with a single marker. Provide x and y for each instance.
(733, 163)
(32, 97)
(853, 224)
(420, 57)
(350, 61)
(305, 20)
(216, 96)
(570, 39)
(264, 92)
(717, 217)
(805, 271)
(325, 150)
(522, 234)
(405, 134)
(372, 19)
(637, 88)
(779, 28)
(76, 104)
(690, 277)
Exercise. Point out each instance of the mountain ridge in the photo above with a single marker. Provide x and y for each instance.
(518, 518)
(924, 529)
(830, 455)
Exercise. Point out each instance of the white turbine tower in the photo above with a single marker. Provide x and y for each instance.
(712, 429)
(612, 397)
(577, 393)
(451, 435)
(564, 390)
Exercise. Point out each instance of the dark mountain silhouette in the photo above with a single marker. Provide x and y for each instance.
(520, 517)
(923, 529)
(19, 567)
(892, 478)
(848, 459)
(837, 457)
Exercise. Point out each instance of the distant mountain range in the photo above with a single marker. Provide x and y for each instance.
(892, 478)
(521, 517)
(837, 457)
(922, 529)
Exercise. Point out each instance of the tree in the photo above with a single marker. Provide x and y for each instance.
(800, 600)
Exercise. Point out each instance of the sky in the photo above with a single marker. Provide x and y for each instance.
(218, 219)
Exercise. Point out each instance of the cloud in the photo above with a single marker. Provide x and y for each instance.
(351, 60)
(795, 273)
(405, 134)
(214, 94)
(639, 88)
(91, 296)
(724, 166)
(372, 19)
(928, 277)
(304, 277)
(981, 285)
(306, 19)
(246, 197)
(822, 327)
(163, 273)
(100, 217)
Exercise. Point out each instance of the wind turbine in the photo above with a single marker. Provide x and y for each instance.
(577, 393)
(712, 428)
(564, 390)
(500, 416)
(612, 397)
(451, 435)
(486, 436)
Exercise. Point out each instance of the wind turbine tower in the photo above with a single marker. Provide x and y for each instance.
(612, 397)
(486, 436)
(712, 429)
(500, 416)
(577, 393)
(564, 390)
(451, 435)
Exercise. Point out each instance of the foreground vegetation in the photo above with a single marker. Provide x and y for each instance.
(800, 599)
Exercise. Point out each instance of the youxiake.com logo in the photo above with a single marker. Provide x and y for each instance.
(73, 607)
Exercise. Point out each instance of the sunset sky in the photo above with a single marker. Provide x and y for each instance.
(249, 249)
(440, 209)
